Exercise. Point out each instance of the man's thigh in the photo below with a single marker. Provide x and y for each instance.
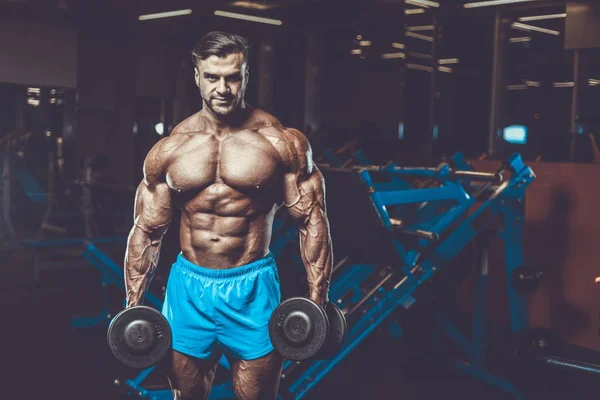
(257, 379)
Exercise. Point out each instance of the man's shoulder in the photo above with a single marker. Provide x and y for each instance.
(262, 121)
(268, 125)
(193, 123)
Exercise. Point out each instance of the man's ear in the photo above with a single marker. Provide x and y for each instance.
(197, 76)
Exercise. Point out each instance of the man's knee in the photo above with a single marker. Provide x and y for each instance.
(194, 393)
(245, 391)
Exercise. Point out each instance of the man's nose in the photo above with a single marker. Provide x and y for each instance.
(222, 88)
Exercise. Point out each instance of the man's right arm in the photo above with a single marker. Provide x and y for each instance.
(152, 215)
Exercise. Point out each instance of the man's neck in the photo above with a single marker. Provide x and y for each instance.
(221, 122)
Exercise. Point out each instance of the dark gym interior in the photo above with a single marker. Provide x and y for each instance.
(459, 145)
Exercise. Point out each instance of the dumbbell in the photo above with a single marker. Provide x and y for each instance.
(139, 337)
(300, 329)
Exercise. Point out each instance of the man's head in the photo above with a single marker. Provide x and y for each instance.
(221, 71)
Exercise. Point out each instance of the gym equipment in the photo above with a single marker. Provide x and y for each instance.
(526, 279)
(54, 220)
(536, 353)
(112, 273)
(300, 329)
(139, 337)
(336, 334)
(401, 238)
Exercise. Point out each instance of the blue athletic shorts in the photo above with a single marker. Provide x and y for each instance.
(222, 311)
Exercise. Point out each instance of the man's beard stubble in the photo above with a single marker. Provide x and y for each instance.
(232, 105)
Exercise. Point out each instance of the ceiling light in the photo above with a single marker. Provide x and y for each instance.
(493, 3)
(419, 67)
(563, 84)
(533, 83)
(422, 3)
(397, 45)
(543, 17)
(420, 55)
(166, 14)
(245, 17)
(420, 28)
(445, 69)
(356, 51)
(443, 61)
(365, 43)
(253, 5)
(393, 55)
(413, 11)
(526, 27)
(419, 36)
(520, 39)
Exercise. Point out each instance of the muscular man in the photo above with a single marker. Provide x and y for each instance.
(229, 168)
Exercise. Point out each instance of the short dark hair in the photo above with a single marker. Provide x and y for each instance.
(220, 44)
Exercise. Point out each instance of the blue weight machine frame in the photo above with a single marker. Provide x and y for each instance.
(443, 236)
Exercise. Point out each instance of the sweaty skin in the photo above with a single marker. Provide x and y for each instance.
(228, 176)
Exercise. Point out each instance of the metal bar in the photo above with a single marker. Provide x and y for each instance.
(575, 95)
(449, 191)
(371, 293)
(571, 364)
(496, 87)
(431, 121)
(339, 264)
(479, 330)
(512, 236)
(457, 337)
(478, 176)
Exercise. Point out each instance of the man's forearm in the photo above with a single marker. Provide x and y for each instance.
(141, 260)
(317, 255)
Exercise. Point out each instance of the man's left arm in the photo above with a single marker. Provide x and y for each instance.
(305, 201)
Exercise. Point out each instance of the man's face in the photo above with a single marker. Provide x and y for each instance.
(222, 82)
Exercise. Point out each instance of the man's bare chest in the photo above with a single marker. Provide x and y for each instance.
(246, 162)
